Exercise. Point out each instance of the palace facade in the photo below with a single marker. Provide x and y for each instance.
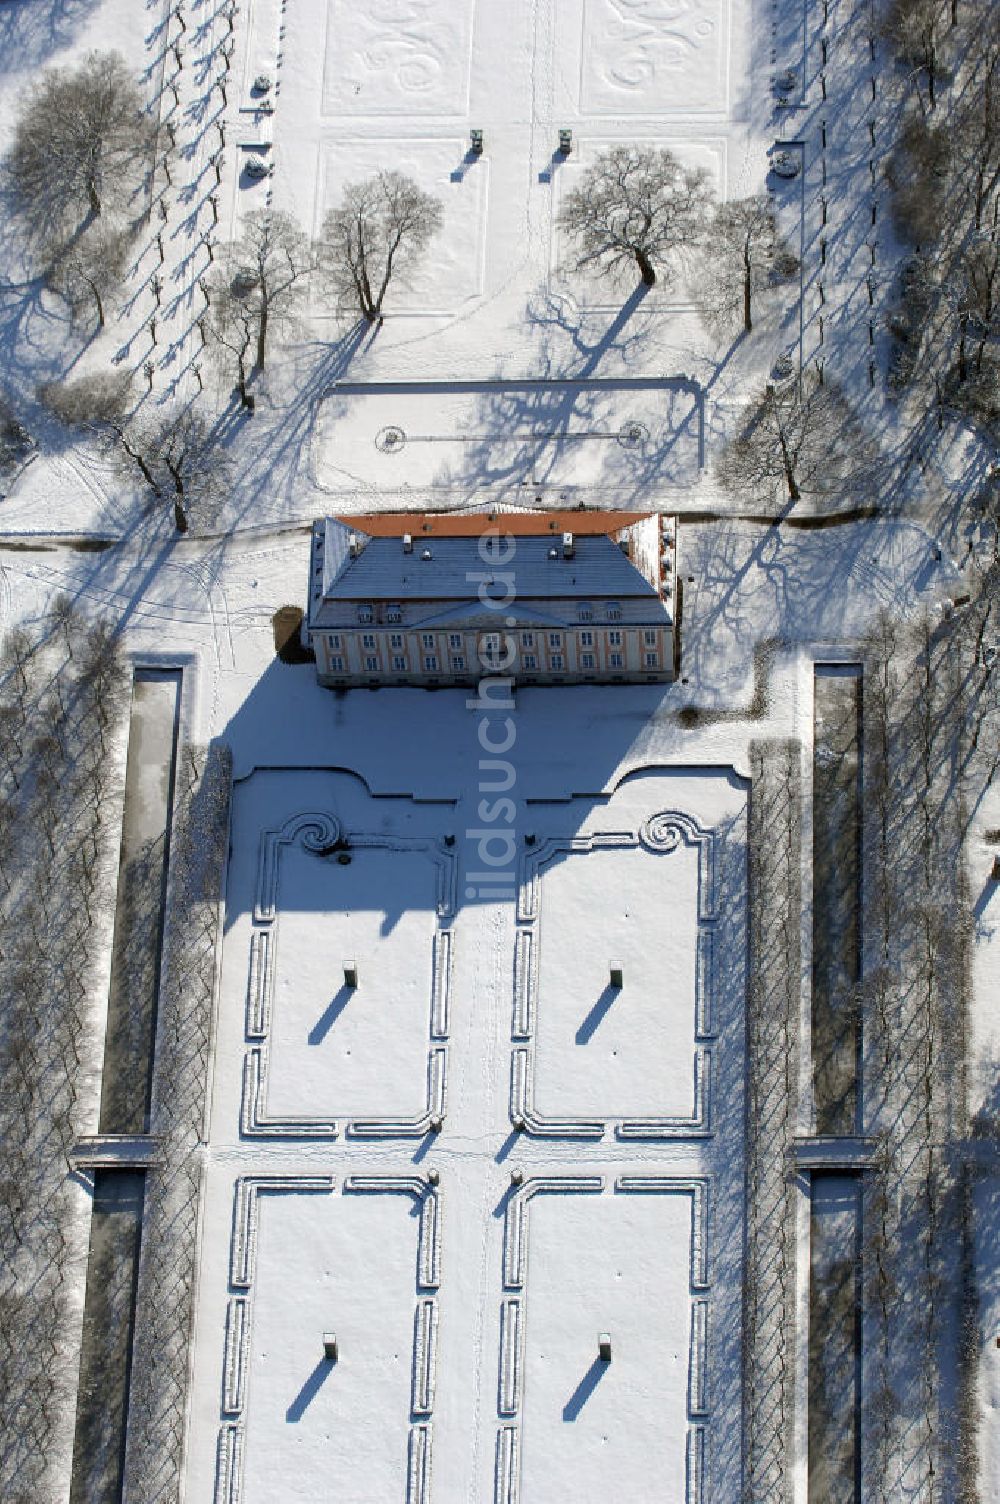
(442, 599)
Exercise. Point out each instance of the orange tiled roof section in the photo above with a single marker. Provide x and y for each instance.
(471, 524)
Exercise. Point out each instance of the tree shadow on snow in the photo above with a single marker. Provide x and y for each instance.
(276, 446)
(32, 31)
(37, 342)
(525, 435)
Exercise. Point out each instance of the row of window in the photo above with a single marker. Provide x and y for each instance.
(394, 613)
(399, 664)
(492, 641)
(529, 662)
(428, 640)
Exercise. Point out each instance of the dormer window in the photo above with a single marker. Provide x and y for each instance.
(491, 650)
(586, 611)
(365, 615)
(614, 611)
(393, 613)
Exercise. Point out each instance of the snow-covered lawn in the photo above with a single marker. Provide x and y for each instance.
(591, 1258)
(329, 1424)
(622, 440)
(603, 1051)
(361, 1141)
(401, 88)
(499, 1284)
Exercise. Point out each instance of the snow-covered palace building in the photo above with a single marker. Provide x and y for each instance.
(443, 598)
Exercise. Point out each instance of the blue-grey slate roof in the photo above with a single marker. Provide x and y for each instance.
(472, 613)
(382, 571)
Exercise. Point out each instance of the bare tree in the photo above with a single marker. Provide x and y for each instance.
(11, 737)
(944, 170)
(797, 440)
(974, 135)
(194, 465)
(909, 316)
(177, 457)
(89, 270)
(231, 326)
(917, 174)
(945, 175)
(16, 653)
(81, 144)
(8, 847)
(976, 396)
(381, 228)
(15, 440)
(635, 206)
(173, 450)
(916, 30)
(745, 256)
(46, 977)
(102, 671)
(88, 402)
(65, 618)
(972, 292)
(265, 274)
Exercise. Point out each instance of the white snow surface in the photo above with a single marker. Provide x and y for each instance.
(467, 364)
(604, 1250)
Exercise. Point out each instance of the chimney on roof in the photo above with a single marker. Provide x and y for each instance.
(353, 547)
(407, 543)
(569, 548)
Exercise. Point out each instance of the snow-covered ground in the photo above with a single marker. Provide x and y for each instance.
(467, 1325)
(466, 1009)
(401, 88)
